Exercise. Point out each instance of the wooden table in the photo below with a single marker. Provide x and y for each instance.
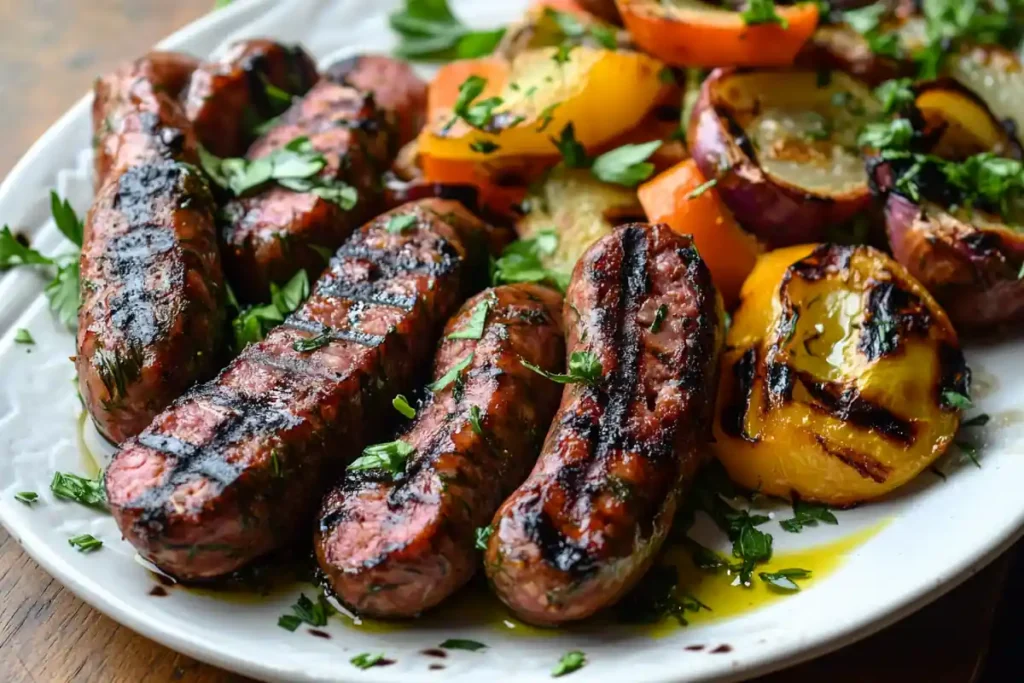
(50, 50)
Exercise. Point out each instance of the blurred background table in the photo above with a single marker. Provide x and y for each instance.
(50, 51)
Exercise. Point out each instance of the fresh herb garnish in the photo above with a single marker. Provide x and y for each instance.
(474, 420)
(313, 343)
(571, 27)
(289, 622)
(656, 598)
(970, 452)
(23, 336)
(26, 497)
(483, 535)
(979, 420)
(574, 155)
(896, 134)
(429, 31)
(308, 612)
(701, 189)
(14, 253)
(659, 317)
(584, 368)
(401, 223)
(521, 261)
(626, 165)
(785, 579)
(462, 644)
(749, 544)
(474, 328)
(401, 404)
(954, 399)
(390, 456)
(570, 661)
(546, 116)
(762, 12)
(366, 660)
(807, 514)
(484, 146)
(477, 114)
(452, 374)
(85, 543)
(254, 322)
(895, 95)
(88, 492)
(66, 219)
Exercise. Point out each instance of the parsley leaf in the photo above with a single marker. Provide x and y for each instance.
(252, 323)
(23, 336)
(570, 661)
(85, 543)
(785, 579)
(895, 95)
(807, 514)
(14, 253)
(659, 317)
(401, 404)
(584, 368)
(63, 293)
(26, 497)
(452, 374)
(88, 492)
(483, 146)
(474, 420)
(309, 344)
(574, 155)
(521, 261)
(476, 114)
(701, 189)
(474, 328)
(656, 598)
(462, 644)
(887, 135)
(429, 31)
(401, 223)
(626, 165)
(366, 660)
(66, 219)
(762, 12)
(390, 456)
(483, 535)
(955, 399)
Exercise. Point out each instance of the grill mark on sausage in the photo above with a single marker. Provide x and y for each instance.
(336, 334)
(865, 465)
(367, 293)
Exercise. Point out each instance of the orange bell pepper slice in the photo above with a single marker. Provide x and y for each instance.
(695, 34)
(729, 251)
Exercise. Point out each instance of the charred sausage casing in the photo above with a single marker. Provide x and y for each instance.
(272, 234)
(237, 466)
(136, 117)
(586, 524)
(152, 314)
(228, 99)
(396, 546)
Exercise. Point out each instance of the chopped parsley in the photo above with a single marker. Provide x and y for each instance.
(305, 611)
(483, 535)
(476, 114)
(521, 262)
(626, 165)
(896, 95)
(23, 336)
(896, 134)
(570, 661)
(954, 399)
(701, 189)
(366, 660)
(571, 27)
(390, 456)
(762, 12)
(659, 317)
(574, 155)
(474, 328)
(254, 322)
(474, 420)
(657, 597)
(401, 404)
(401, 223)
(88, 492)
(584, 368)
(85, 543)
(484, 146)
(429, 31)
(452, 374)
(313, 343)
(807, 514)
(785, 579)
(969, 451)
(462, 644)
(26, 497)
(67, 220)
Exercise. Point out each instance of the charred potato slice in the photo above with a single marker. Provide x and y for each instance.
(580, 209)
(783, 145)
(839, 376)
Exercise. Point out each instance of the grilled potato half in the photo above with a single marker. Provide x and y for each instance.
(841, 378)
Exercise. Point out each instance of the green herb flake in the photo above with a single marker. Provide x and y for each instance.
(428, 30)
(66, 219)
(85, 543)
(26, 497)
(762, 12)
(584, 368)
(23, 336)
(626, 165)
(14, 253)
(570, 661)
(366, 660)
(88, 492)
(399, 224)
(289, 622)
(475, 420)
(954, 399)
(401, 404)
(659, 317)
(306, 611)
(313, 343)
(521, 261)
(474, 328)
(390, 456)
(701, 189)
(895, 95)
(807, 514)
(452, 374)
(574, 155)
(483, 535)
(462, 644)
(484, 146)
(887, 135)
(970, 452)
(785, 579)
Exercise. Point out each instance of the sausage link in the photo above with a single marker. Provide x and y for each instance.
(396, 547)
(236, 467)
(136, 117)
(586, 524)
(227, 100)
(152, 312)
(271, 235)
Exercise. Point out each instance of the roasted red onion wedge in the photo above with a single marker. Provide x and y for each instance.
(971, 260)
(783, 146)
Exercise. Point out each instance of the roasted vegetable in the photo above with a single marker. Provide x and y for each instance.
(783, 146)
(840, 47)
(689, 203)
(693, 33)
(580, 209)
(958, 124)
(953, 238)
(551, 23)
(996, 76)
(841, 379)
(489, 108)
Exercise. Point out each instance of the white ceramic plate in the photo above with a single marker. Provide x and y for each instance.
(929, 537)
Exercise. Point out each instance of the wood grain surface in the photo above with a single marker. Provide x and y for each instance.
(50, 51)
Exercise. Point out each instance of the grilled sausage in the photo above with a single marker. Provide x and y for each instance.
(271, 235)
(393, 548)
(394, 85)
(136, 117)
(586, 524)
(236, 467)
(152, 312)
(227, 100)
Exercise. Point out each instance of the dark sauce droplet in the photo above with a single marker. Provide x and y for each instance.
(434, 652)
(694, 648)
(320, 634)
(436, 667)
(158, 592)
(721, 649)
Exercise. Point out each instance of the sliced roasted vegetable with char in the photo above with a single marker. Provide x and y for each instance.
(783, 148)
(552, 23)
(996, 75)
(965, 247)
(842, 377)
(873, 51)
(689, 203)
(578, 209)
(958, 124)
(490, 108)
(693, 33)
